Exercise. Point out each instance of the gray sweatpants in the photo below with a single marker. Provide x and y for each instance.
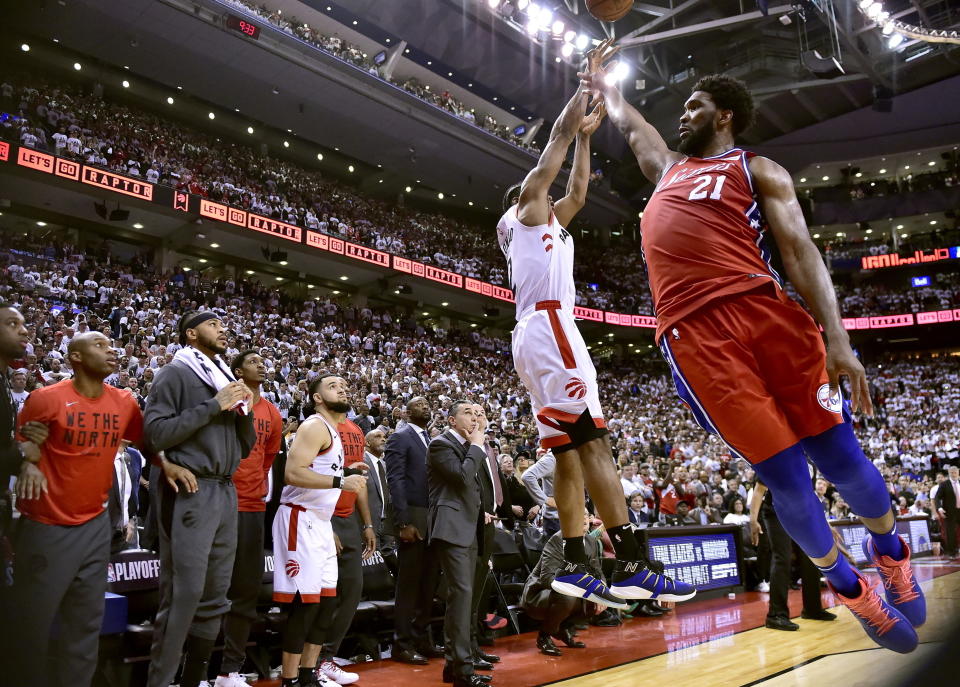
(59, 569)
(198, 540)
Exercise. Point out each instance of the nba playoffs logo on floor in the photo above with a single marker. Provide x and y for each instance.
(292, 568)
(829, 400)
(576, 388)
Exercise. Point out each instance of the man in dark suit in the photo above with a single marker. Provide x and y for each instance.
(454, 475)
(948, 507)
(406, 461)
(123, 502)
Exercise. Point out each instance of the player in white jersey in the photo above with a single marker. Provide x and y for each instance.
(552, 360)
(304, 546)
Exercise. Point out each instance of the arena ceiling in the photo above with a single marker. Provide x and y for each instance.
(673, 42)
(668, 43)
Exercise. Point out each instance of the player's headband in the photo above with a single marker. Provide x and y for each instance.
(194, 321)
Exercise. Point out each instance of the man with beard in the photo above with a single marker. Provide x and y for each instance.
(747, 359)
(251, 482)
(552, 361)
(199, 415)
(304, 545)
(63, 539)
(406, 460)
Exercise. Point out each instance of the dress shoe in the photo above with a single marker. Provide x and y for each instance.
(818, 615)
(546, 645)
(566, 636)
(448, 675)
(480, 664)
(411, 657)
(780, 623)
(484, 656)
(471, 681)
(431, 651)
(647, 610)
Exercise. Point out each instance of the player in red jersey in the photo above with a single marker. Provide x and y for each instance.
(250, 481)
(749, 361)
(63, 539)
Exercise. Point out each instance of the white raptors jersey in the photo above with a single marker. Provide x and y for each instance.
(330, 462)
(539, 262)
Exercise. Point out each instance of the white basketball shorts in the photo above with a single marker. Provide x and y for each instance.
(552, 360)
(304, 555)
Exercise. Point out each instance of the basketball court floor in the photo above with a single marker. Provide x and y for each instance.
(717, 642)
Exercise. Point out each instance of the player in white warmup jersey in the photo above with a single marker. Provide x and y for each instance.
(304, 547)
(552, 360)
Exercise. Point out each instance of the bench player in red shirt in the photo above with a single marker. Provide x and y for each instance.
(748, 360)
(250, 481)
(63, 539)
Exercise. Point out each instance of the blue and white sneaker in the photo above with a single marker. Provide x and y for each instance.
(573, 579)
(632, 580)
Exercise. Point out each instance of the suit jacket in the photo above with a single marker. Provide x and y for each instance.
(639, 518)
(375, 498)
(946, 498)
(134, 469)
(405, 456)
(456, 514)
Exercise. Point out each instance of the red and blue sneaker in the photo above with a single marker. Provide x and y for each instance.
(902, 589)
(883, 623)
(632, 580)
(573, 579)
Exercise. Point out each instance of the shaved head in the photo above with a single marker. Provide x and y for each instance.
(81, 342)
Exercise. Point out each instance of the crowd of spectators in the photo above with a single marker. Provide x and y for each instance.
(341, 49)
(945, 174)
(85, 126)
(388, 356)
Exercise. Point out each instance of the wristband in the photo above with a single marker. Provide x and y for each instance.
(367, 527)
(337, 482)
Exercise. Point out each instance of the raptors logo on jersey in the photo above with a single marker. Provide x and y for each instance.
(703, 235)
(539, 261)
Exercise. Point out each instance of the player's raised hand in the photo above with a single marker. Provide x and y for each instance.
(599, 56)
(593, 120)
(842, 362)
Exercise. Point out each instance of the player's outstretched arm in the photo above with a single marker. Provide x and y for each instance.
(533, 209)
(645, 141)
(567, 207)
(809, 274)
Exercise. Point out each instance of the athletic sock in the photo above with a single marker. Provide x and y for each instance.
(573, 550)
(888, 544)
(624, 542)
(307, 676)
(843, 577)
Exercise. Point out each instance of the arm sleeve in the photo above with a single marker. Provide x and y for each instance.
(395, 458)
(165, 424)
(531, 478)
(449, 466)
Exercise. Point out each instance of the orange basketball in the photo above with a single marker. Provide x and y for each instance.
(609, 10)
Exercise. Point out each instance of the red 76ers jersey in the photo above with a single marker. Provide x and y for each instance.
(703, 235)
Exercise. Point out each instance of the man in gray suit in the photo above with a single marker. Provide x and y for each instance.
(456, 519)
(378, 491)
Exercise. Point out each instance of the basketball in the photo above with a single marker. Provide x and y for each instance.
(609, 10)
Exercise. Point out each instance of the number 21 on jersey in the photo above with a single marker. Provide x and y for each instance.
(701, 185)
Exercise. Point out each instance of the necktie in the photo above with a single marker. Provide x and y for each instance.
(426, 436)
(495, 476)
(384, 488)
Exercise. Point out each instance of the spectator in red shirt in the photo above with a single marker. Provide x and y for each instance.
(251, 482)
